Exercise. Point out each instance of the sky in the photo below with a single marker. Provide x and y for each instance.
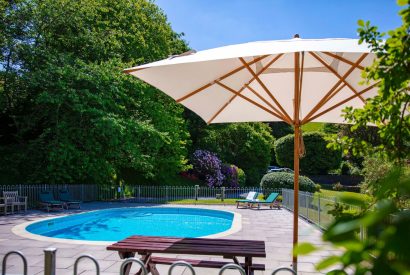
(214, 23)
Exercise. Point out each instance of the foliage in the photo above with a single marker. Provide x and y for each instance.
(280, 129)
(207, 166)
(277, 180)
(318, 160)
(389, 110)
(375, 168)
(231, 175)
(69, 114)
(348, 168)
(241, 177)
(246, 145)
(317, 187)
(385, 249)
(331, 128)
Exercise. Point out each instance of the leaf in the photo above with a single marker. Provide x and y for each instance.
(329, 261)
(360, 22)
(304, 249)
(402, 2)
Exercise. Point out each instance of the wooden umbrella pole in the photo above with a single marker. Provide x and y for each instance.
(296, 124)
(296, 193)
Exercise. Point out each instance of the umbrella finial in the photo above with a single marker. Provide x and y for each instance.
(296, 36)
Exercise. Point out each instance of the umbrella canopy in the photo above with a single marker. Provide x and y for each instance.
(296, 81)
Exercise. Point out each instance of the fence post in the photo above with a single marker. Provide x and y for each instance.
(82, 192)
(139, 193)
(196, 192)
(50, 261)
(223, 193)
(318, 208)
(307, 205)
(166, 194)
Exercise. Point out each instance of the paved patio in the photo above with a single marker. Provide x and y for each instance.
(272, 226)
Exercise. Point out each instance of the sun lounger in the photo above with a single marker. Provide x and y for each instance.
(65, 197)
(48, 202)
(249, 198)
(271, 201)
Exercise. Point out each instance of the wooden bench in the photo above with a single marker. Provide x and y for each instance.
(227, 248)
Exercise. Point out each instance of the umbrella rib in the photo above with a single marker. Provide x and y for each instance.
(209, 84)
(246, 85)
(248, 99)
(336, 74)
(343, 101)
(343, 60)
(301, 76)
(333, 91)
(268, 103)
(265, 88)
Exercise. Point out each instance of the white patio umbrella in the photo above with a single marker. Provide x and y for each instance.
(296, 81)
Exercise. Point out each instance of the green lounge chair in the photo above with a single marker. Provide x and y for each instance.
(271, 201)
(65, 197)
(249, 198)
(48, 202)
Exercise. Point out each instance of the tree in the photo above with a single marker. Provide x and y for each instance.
(71, 114)
(246, 145)
(319, 158)
(389, 110)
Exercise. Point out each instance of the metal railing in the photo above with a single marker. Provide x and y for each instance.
(50, 256)
(314, 207)
(133, 193)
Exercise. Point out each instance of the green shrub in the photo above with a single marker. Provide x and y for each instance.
(317, 187)
(285, 180)
(241, 177)
(318, 159)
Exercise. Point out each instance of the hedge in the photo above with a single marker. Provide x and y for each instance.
(279, 180)
(318, 160)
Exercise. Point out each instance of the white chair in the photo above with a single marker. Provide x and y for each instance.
(3, 205)
(13, 199)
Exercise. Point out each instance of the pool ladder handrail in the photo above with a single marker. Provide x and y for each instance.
(181, 263)
(232, 266)
(124, 264)
(18, 253)
(86, 256)
(284, 269)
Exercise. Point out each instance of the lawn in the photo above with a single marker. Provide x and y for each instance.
(204, 201)
(313, 127)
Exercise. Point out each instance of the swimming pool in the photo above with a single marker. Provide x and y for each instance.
(119, 223)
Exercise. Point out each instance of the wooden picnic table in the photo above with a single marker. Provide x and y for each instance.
(227, 248)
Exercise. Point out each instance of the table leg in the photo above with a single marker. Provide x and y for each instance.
(124, 255)
(153, 269)
(146, 259)
(248, 265)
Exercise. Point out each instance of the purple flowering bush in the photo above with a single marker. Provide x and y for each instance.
(230, 173)
(207, 166)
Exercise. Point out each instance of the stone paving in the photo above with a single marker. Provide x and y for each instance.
(272, 226)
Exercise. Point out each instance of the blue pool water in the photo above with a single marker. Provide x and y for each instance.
(119, 223)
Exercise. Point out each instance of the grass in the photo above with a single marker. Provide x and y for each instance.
(313, 127)
(337, 194)
(205, 201)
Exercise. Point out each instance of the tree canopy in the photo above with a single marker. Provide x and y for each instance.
(68, 113)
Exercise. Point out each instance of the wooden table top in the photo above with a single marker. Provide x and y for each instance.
(196, 246)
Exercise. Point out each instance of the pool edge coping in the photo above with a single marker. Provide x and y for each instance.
(20, 229)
